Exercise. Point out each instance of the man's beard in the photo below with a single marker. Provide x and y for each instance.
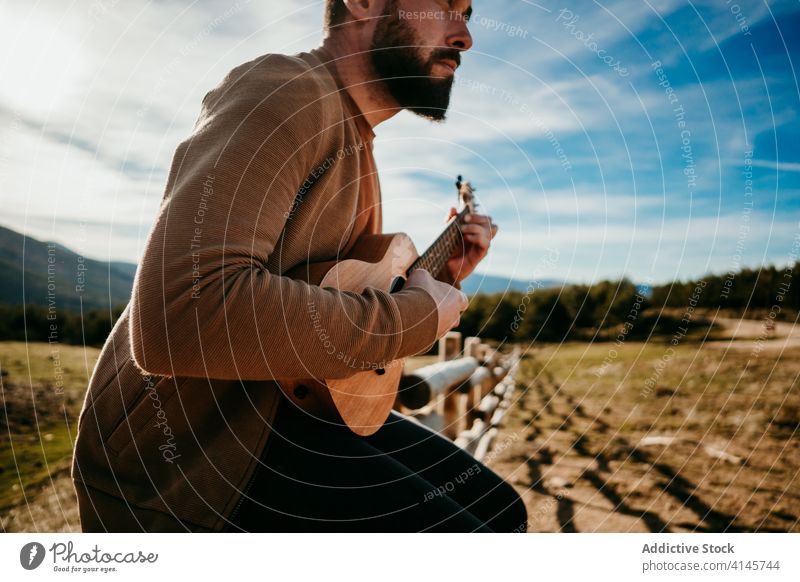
(396, 57)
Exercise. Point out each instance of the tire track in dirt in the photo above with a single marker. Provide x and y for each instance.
(577, 472)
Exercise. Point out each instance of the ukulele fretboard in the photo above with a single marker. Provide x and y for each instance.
(434, 259)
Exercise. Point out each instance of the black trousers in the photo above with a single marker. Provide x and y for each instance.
(316, 477)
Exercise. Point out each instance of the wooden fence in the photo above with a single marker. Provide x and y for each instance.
(464, 395)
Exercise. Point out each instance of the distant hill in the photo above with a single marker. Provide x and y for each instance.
(477, 282)
(32, 270)
(107, 285)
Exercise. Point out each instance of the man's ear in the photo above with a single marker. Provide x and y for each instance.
(362, 9)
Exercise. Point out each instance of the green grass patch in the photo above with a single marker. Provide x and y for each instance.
(41, 392)
(28, 460)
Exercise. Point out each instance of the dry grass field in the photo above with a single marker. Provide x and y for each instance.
(601, 437)
(41, 392)
(639, 438)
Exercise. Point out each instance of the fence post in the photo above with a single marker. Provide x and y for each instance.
(471, 347)
(450, 407)
(449, 346)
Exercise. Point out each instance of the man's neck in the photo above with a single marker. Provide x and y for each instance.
(358, 77)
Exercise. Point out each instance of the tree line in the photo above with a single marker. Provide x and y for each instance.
(37, 323)
(574, 312)
(745, 290)
(599, 311)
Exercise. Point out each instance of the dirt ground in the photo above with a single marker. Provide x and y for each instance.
(605, 438)
(601, 437)
(52, 508)
(41, 391)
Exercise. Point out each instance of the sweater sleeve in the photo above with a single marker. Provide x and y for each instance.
(204, 303)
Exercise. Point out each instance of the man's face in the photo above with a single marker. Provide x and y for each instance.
(415, 49)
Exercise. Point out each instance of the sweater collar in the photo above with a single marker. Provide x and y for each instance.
(364, 127)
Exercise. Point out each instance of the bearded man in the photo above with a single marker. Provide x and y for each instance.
(184, 426)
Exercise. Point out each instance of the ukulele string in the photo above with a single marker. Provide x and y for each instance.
(436, 256)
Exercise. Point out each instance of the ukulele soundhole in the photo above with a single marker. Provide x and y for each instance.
(397, 284)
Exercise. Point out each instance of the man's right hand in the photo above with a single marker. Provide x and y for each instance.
(451, 302)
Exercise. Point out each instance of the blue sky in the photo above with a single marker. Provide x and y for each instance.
(560, 117)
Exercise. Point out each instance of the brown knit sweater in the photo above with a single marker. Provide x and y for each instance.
(278, 172)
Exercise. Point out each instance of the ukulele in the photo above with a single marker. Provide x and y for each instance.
(364, 400)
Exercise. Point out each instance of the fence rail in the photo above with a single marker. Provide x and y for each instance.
(465, 395)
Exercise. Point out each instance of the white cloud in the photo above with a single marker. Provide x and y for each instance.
(781, 167)
(662, 249)
(107, 85)
(98, 88)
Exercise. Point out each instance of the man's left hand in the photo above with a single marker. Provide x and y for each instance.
(478, 232)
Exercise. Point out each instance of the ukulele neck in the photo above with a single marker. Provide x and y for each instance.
(434, 259)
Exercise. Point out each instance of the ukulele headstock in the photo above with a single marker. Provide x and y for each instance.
(466, 195)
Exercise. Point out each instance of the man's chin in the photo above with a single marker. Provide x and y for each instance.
(435, 107)
(428, 97)
(430, 113)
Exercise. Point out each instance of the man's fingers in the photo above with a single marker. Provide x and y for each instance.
(463, 300)
(478, 219)
(478, 234)
(473, 229)
(484, 221)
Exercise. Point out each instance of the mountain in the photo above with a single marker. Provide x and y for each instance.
(43, 273)
(24, 264)
(478, 282)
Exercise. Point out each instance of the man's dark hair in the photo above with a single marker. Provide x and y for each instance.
(335, 13)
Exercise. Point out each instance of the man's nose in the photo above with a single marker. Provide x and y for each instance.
(460, 38)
